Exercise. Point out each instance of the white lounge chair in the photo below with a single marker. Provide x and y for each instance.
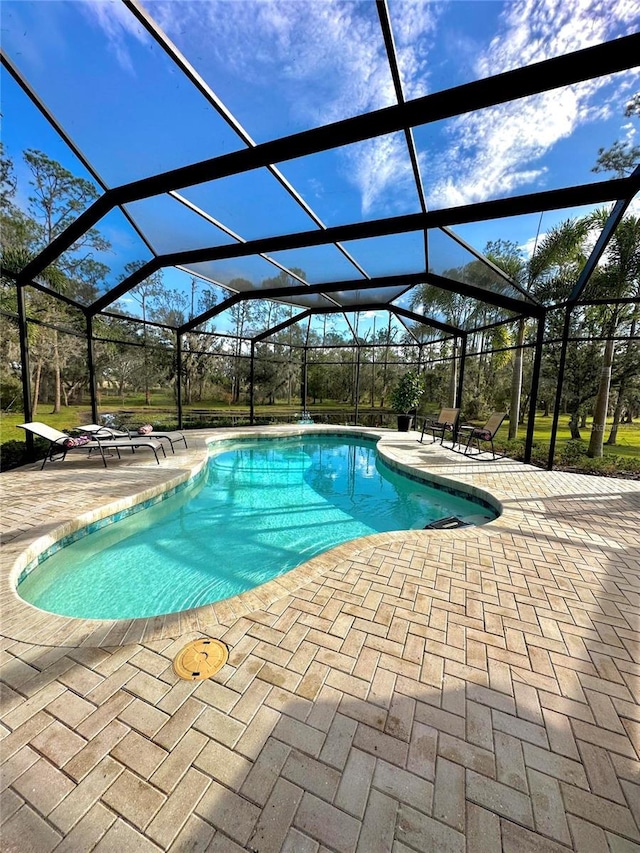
(60, 443)
(98, 430)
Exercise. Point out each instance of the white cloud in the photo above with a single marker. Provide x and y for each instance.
(529, 247)
(381, 170)
(634, 207)
(328, 60)
(118, 24)
(414, 24)
(500, 149)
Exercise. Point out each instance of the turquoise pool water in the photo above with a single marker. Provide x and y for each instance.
(264, 507)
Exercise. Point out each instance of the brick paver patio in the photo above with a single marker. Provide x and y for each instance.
(445, 691)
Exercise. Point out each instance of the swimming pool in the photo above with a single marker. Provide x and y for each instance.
(262, 507)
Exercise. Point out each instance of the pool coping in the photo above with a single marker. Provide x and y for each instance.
(23, 621)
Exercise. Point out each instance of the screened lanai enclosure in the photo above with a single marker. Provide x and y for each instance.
(247, 212)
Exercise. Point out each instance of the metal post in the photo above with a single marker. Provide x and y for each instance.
(92, 373)
(533, 395)
(373, 364)
(24, 359)
(357, 389)
(558, 401)
(251, 383)
(463, 355)
(303, 385)
(179, 377)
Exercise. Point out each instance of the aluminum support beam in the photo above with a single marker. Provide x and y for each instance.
(533, 394)
(599, 60)
(92, 373)
(463, 358)
(24, 361)
(559, 384)
(179, 377)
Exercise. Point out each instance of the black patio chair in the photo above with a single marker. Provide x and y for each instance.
(447, 421)
(485, 433)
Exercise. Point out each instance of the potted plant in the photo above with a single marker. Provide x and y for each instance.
(405, 397)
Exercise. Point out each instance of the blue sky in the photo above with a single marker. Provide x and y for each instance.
(282, 67)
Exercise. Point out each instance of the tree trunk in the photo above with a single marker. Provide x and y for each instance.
(574, 425)
(617, 414)
(480, 362)
(36, 389)
(385, 366)
(57, 405)
(516, 384)
(602, 404)
(453, 377)
(147, 395)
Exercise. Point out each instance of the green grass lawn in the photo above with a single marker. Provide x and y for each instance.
(628, 440)
(628, 434)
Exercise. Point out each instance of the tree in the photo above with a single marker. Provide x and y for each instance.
(241, 315)
(622, 157)
(509, 257)
(553, 270)
(144, 293)
(618, 276)
(628, 374)
(7, 180)
(57, 198)
(454, 308)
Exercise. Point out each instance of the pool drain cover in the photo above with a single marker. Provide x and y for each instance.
(200, 659)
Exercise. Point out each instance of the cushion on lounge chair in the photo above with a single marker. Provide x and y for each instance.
(61, 442)
(78, 441)
(172, 436)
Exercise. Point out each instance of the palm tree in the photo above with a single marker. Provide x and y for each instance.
(553, 270)
(509, 257)
(454, 308)
(617, 277)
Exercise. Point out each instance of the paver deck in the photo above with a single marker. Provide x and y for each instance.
(459, 690)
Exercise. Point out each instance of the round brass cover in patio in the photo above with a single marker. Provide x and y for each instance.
(200, 659)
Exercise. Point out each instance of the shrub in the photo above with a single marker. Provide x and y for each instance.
(540, 454)
(475, 409)
(604, 465)
(10, 391)
(610, 466)
(573, 452)
(513, 448)
(13, 454)
(407, 393)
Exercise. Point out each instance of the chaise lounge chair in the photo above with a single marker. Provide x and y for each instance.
(485, 433)
(100, 431)
(60, 443)
(447, 421)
